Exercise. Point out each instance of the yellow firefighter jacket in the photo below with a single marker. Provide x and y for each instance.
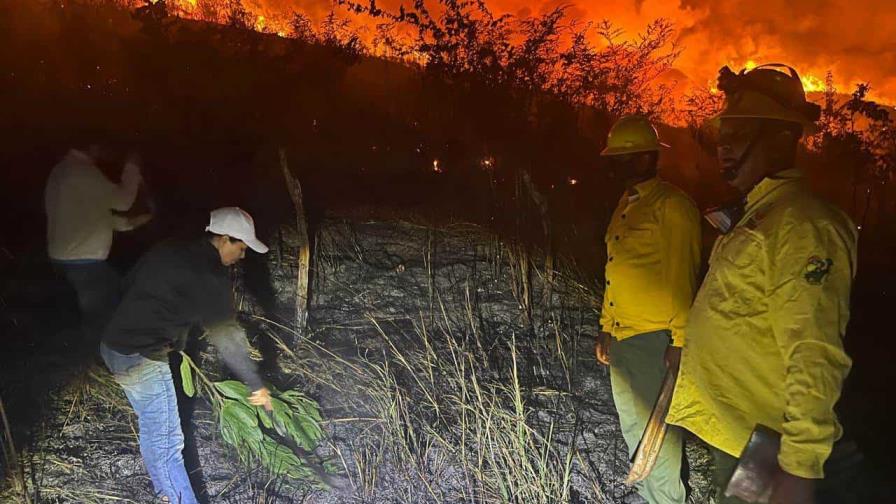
(765, 331)
(653, 257)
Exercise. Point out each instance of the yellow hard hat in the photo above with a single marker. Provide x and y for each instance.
(767, 93)
(630, 134)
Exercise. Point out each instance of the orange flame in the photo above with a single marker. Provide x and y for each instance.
(811, 83)
(272, 16)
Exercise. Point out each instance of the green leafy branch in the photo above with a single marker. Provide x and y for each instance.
(279, 439)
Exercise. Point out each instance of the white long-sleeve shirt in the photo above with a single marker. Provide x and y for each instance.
(78, 201)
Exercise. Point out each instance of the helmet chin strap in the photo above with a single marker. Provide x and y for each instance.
(725, 217)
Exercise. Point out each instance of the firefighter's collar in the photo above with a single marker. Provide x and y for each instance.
(642, 189)
(772, 183)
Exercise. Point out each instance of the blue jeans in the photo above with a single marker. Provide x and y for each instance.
(150, 389)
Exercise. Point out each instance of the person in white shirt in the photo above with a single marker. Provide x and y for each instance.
(84, 209)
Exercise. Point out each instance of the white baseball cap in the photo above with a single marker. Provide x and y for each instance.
(236, 223)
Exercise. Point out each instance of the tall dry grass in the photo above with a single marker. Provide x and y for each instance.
(447, 405)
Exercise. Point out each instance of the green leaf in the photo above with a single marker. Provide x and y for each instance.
(298, 434)
(282, 416)
(228, 431)
(233, 389)
(302, 405)
(239, 423)
(265, 417)
(280, 459)
(306, 432)
(294, 416)
(304, 425)
(312, 409)
(186, 376)
(294, 398)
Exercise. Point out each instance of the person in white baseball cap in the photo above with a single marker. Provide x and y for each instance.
(175, 286)
(233, 222)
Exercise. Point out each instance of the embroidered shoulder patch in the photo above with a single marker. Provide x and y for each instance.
(817, 269)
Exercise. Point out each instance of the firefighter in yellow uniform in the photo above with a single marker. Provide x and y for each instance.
(653, 257)
(765, 331)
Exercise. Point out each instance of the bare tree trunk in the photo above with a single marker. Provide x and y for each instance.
(520, 278)
(304, 251)
(867, 207)
(541, 204)
(519, 256)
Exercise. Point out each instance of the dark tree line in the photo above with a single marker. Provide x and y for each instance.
(462, 104)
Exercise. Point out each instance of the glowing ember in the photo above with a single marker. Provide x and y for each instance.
(572, 181)
(435, 166)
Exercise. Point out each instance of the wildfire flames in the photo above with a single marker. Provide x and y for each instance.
(852, 42)
(811, 83)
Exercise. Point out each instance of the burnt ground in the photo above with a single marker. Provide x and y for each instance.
(437, 383)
